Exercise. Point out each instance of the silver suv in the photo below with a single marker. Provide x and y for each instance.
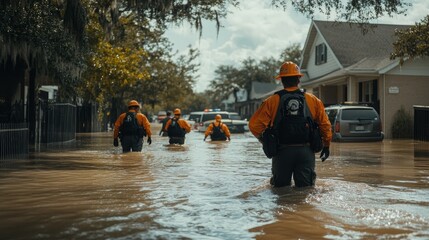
(354, 123)
(204, 118)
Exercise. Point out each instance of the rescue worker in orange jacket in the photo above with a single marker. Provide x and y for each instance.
(164, 121)
(176, 128)
(217, 130)
(294, 156)
(131, 127)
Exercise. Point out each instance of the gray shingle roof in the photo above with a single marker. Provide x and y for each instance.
(350, 45)
(260, 89)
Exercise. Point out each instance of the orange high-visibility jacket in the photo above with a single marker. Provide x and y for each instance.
(266, 114)
(223, 126)
(141, 121)
(182, 123)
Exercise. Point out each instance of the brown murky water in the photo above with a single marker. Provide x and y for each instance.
(206, 190)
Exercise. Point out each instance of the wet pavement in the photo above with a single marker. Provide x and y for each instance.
(213, 190)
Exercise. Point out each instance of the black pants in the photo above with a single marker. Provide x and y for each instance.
(296, 161)
(131, 142)
(177, 140)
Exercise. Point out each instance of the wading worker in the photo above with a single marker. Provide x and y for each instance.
(285, 111)
(177, 128)
(217, 130)
(131, 127)
(164, 121)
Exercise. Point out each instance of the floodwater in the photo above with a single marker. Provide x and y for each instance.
(213, 190)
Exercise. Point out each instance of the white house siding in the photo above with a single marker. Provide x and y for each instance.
(315, 71)
(413, 90)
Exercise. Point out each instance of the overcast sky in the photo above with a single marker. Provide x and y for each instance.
(257, 30)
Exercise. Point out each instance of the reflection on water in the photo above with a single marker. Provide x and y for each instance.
(213, 190)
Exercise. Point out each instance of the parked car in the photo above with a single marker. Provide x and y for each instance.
(204, 118)
(186, 117)
(354, 123)
(161, 115)
(235, 116)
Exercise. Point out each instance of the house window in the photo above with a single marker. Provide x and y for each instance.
(321, 53)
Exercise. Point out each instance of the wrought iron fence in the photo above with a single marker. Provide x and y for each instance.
(87, 119)
(58, 123)
(13, 140)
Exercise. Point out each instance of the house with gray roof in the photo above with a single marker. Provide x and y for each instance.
(258, 92)
(342, 63)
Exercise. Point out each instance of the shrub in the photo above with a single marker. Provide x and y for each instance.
(402, 124)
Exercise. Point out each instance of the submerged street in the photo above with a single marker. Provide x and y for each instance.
(213, 190)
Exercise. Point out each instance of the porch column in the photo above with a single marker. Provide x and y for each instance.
(351, 90)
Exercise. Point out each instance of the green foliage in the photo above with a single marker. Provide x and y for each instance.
(35, 32)
(402, 124)
(228, 78)
(412, 42)
(362, 11)
(292, 53)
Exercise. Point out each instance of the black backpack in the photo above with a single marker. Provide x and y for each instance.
(218, 134)
(174, 130)
(291, 121)
(130, 126)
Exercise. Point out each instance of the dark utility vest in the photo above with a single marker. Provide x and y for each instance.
(130, 126)
(174, 130)
(291, 120)
(218, 134)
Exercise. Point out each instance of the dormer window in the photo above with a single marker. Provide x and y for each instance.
(321, 54)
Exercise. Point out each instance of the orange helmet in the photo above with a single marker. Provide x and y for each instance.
(133, 103)
(218, 117)
(289, 69)
(177, 111)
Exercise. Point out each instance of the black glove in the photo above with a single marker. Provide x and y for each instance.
(204, 139)
(229, 139)
(324, 154)
(149, 140)
(115, 142)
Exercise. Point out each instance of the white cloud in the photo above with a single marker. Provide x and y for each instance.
(257, 30)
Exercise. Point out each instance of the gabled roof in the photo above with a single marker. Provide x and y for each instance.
(349, 44)
(260, 89)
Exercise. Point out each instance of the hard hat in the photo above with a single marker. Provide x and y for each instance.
(177, 111)
(218, 117)
(289, 69)
(133, 103)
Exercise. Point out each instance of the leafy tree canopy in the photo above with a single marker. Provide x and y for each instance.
(412, 42)
(229, 78)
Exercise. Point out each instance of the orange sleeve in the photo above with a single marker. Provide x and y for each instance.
(184, 124)
(118, 124)
(167, 124)
(143, 121)
(318, 113)
(264, 115)
(208, 130)
(226, 130)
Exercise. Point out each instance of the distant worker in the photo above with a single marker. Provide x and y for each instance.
(217, 130)
(177, 128)
(131, 127)
(164, 121)
(285, 112)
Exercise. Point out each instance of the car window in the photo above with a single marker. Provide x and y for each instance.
(332, 114)
(211, 116)
(234, 117)
(195, 117)
(358, 114)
